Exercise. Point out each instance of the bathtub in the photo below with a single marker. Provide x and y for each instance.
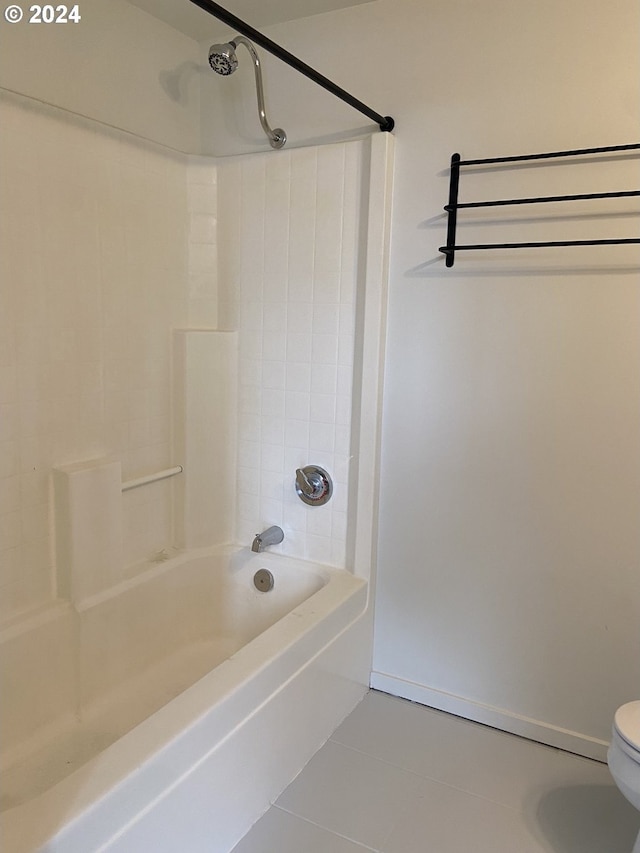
(167, 712)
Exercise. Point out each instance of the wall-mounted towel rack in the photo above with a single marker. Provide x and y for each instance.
(454, 206)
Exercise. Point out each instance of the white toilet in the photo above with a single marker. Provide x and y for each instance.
(624, 755)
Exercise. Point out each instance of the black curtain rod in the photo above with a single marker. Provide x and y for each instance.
(385, 122)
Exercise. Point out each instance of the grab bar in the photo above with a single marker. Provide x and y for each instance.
(152, 478)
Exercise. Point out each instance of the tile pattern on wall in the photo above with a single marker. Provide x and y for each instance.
(202, 200)
(93, 265)
(289, 231)
(108, 243)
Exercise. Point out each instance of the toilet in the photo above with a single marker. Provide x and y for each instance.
(623, 757)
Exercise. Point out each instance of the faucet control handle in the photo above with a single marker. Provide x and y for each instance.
(313, 485)
(302, 482)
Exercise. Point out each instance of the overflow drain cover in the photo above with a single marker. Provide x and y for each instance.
(263, 580)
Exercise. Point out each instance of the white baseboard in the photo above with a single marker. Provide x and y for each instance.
(498, 718)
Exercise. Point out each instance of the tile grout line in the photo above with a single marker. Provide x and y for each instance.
(426, 778)
(326, 829)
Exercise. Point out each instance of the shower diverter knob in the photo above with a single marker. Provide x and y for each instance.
(313, 485)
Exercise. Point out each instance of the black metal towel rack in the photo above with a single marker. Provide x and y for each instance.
(385, 122)
(454, 206)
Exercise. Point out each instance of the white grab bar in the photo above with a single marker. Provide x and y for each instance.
(152, 478)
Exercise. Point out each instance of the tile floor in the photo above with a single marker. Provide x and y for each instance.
(397, 777)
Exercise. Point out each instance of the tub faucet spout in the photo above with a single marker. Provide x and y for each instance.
(271, 536)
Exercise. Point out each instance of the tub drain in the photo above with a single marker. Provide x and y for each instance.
(263, 580)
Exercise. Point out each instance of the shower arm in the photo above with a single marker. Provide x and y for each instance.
(385, 123)
(277, 137)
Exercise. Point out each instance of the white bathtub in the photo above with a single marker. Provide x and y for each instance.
(182, 701)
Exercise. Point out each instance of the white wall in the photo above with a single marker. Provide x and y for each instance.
(118, 65)
(509, 547)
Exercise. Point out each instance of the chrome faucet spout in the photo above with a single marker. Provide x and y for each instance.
(271, 536)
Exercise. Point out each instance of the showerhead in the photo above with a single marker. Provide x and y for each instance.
(223, 59)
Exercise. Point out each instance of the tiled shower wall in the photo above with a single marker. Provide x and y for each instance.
(109, 243)
(94, 260)
(289, 240)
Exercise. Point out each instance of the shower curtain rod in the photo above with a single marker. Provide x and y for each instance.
(384, 122)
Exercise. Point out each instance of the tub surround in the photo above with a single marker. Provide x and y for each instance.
(294, 300)
(205, 376)
(96, 258)
(139, 251)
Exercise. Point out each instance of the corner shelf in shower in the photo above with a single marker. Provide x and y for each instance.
(454, 206)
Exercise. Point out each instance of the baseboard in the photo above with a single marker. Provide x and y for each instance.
(498, 718)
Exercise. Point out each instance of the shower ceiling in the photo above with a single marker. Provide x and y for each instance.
(194, 22)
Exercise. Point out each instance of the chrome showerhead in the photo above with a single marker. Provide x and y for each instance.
(223, 59)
